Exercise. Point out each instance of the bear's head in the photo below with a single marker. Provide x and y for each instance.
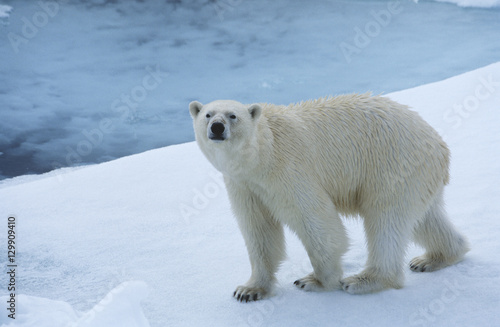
(226, 132)
(224, 121)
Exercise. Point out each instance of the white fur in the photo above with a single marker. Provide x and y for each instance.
(305, 164)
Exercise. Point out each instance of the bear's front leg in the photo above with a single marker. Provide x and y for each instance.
(323, 235)
(264, 239)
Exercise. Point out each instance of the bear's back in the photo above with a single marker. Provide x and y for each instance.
(358, 144)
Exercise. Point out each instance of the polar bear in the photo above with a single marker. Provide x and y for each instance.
(304, 164)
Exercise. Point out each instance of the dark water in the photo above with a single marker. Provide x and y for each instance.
(90, 81)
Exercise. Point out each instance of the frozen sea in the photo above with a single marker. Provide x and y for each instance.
(89, 81)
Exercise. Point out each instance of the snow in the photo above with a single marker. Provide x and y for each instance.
(474, 3)
(120, 307)
(149, 239)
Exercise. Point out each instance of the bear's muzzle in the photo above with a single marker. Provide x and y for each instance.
(217, 132)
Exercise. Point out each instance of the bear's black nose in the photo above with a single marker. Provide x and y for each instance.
(217, 128)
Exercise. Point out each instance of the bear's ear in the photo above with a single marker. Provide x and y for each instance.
(195, 108)
(255, 110)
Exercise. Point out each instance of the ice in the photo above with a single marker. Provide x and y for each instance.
(4, 11)
(474, 3)
(40, 312)
(120, 307)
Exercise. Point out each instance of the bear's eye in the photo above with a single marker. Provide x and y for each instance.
(208, 116)
(232, 116)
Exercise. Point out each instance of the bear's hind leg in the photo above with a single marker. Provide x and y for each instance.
(387, 239)
(444, 245)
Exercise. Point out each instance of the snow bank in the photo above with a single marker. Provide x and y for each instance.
(474, 3)
(120, 307)
(41, 312)
(162, 217)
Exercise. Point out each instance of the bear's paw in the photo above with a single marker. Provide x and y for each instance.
(362, 284)
(309, 283)
(247, 294)
(425, 263)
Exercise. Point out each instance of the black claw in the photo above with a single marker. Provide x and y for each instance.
(303, 286)
(234, 294)
(296, 282)
(247, 297)
(346, 287)
(239, 296)
(423, 269)
(255, 297)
